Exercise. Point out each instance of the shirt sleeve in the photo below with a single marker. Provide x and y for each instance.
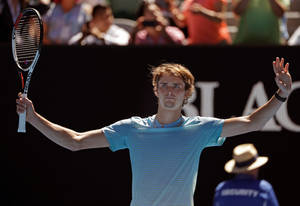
(116, 134)
(213, 127)
(272, 200)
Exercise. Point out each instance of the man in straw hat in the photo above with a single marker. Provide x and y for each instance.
(245, 188)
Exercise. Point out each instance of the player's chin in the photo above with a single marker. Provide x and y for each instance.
(171, 105)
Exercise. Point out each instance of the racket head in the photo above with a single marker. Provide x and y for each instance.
(27, 38)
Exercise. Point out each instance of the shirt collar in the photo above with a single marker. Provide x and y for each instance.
(177, 123)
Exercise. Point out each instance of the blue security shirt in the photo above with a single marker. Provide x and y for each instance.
(164, 161)
(245, 190)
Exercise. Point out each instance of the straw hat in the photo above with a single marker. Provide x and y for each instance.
(245, 158)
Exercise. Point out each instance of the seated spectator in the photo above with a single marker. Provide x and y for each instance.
(259, 22)
(205, 20)
(63, 20)
(101, 30)
(152, 28)
(9, 11)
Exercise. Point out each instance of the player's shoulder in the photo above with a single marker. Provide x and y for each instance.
(199, 120)
(139, 122)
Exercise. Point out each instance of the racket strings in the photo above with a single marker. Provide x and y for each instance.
(28, 40)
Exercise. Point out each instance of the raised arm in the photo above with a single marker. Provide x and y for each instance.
(256, 120)
(216, 15)
(62, 136)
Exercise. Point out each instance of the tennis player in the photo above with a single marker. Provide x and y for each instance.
(165, 148)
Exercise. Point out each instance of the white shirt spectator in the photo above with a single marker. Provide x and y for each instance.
(115, 35)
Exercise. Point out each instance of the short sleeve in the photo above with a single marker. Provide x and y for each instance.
(267, 187)
(116, 134)
(214, 128)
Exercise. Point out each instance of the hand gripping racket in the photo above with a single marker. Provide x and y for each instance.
(27, 39)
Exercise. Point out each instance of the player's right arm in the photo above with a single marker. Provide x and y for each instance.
(62, 136)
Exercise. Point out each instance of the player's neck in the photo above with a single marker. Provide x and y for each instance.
(167, 117)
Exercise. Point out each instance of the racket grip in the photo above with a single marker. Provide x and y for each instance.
(22, 119)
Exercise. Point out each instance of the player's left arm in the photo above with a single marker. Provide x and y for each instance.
(256, 120)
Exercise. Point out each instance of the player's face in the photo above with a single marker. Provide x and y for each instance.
(170, 92)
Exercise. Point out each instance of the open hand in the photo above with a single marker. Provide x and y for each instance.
(283, 78)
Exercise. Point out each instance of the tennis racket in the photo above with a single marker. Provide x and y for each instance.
(27, 39)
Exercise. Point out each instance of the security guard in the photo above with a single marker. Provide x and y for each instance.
(245, 189)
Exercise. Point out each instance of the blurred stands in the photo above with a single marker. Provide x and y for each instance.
(292, 15)
(122, 10)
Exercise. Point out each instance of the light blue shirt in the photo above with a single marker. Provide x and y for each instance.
(165, 160)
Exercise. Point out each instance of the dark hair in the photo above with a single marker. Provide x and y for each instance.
(99, 8)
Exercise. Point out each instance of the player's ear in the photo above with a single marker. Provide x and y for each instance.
(186, 96)
(155, 91)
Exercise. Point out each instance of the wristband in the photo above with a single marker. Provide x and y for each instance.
(282, 99)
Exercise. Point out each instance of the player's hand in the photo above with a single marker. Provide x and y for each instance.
(283, 78)
(25, 104)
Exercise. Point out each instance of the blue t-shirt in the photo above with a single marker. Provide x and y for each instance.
(164, 161)
(246, 191)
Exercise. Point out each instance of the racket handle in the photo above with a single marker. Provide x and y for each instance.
(22, 119)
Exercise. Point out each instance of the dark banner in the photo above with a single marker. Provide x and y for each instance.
(87, 88)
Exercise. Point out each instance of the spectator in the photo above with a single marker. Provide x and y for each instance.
(172, 13)
(259, 21)
(63, 20)
(245, 188)
(153, 29)
(205, 20)
(9, 11)
(101, 30)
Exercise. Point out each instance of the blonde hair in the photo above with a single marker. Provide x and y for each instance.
(176, 70)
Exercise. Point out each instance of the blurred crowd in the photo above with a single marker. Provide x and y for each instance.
(157, 22)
